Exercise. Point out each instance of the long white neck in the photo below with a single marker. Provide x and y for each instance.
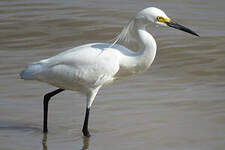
(139, 61)
(147, 48)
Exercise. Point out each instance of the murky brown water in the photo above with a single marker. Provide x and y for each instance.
(177, 104)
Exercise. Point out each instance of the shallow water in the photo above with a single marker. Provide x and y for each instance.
(179, 103)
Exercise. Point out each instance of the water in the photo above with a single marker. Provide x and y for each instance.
(177, 104)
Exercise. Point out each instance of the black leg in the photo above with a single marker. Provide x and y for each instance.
(47, 97)
(85, 126)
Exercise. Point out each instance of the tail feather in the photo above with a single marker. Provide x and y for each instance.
(31, 71)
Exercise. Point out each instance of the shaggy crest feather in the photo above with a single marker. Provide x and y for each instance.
(127, 35)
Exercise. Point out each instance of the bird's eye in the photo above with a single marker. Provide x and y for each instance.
(160, 19)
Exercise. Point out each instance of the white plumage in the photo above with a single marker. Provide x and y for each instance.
(88, 67)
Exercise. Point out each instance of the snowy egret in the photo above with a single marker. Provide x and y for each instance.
(88, 67)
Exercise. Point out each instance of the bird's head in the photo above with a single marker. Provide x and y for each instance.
(157, 16)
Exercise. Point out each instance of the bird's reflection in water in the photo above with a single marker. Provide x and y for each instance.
(45, 146)
(44, 141)
(85, 143)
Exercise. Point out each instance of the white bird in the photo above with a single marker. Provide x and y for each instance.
(88, 67)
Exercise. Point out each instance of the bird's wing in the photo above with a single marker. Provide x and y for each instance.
(85, 65)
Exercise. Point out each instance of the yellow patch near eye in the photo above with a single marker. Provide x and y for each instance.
(167, 19)
(162, 19)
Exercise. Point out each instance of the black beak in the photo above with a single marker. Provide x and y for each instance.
(180, 27)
